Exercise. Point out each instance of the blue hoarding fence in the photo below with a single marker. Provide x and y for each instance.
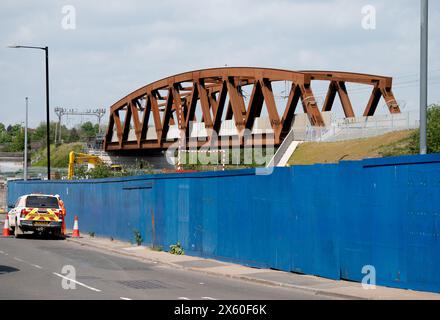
(327, 220)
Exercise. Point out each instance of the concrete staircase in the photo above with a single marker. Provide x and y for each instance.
(285, 151)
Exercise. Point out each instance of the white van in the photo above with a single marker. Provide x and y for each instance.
(36, 212)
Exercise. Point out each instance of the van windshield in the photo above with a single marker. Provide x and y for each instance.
(41, 202)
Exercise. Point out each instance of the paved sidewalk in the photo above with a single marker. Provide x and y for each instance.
(342, 289)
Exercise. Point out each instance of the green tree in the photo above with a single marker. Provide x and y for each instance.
(73, 135)
(5, 137)
(101, 171)
(65, 133)
(39, 134)
(17, 143)
(3, 134)
(89, 130)
(433, 132)
(14, 129)
(80, 172)
(12, 137)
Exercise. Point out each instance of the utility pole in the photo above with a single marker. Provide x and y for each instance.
(25, 165)
(423, 75)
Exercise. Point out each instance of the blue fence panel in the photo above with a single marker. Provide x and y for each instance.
(314, 221)
(422, 227)
(211, 195)
(355, 223)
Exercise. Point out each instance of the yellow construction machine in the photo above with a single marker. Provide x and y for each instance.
(80, 158)
(91, 160)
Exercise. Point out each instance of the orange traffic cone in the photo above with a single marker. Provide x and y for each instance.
(6, 227)
(75, 233)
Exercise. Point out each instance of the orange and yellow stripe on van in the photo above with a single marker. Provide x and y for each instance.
(34, 215)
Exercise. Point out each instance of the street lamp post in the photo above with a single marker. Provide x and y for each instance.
(46, 50)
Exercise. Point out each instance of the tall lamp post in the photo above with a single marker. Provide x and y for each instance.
(46, 50)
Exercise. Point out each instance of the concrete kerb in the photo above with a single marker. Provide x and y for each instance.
(280, 284)
(323, 292)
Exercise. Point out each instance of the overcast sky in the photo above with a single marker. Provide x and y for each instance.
(119, 46)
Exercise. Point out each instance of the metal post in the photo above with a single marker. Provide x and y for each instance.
(56, 132)
(423, 75)
(46, 49)
(25, 165)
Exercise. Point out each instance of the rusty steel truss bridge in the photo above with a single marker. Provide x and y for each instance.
(208, 98)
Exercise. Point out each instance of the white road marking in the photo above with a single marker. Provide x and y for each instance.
(2, 252)
(64, 277)
(208, 298)
(183, 298)
(77, 282)
(124, 298)
(31, 264)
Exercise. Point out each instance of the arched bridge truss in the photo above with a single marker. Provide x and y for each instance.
(157, 115)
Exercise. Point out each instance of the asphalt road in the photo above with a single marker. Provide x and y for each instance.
(32, 268)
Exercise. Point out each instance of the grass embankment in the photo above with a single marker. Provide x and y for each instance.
(390, 144)
(59, 156)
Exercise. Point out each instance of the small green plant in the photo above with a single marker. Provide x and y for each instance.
(137, 237)
(177, 249)
(92, 234)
